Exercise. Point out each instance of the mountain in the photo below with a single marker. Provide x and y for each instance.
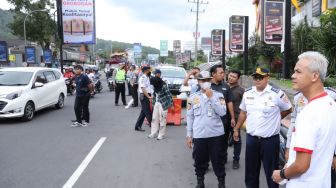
(5, 18)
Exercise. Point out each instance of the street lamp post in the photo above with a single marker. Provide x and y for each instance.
(24, 22)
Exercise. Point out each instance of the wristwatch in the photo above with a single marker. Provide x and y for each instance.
(282, 174)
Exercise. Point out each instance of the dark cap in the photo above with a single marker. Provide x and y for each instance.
(145, 68)
(157, 71)
(261, 71)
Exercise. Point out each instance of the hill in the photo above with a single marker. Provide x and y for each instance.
(5, 18)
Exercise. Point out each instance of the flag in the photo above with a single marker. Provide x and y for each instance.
(296, 5)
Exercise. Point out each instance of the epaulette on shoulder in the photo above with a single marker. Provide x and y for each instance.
(248, 89)
(331, 89)
(276, 90)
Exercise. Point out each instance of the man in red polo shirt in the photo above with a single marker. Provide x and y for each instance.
(313, 141)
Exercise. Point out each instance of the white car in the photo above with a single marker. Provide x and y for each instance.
(25, 90)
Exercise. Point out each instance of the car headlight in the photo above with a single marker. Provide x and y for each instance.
(13, 95)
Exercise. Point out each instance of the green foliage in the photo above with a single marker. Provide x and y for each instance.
(236, 62)
(40, 27)
(5, 18)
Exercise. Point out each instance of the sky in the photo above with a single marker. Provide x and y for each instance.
(149, 21)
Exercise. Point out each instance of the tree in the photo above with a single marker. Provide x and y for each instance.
(39, 25)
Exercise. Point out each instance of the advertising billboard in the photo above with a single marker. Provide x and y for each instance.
(217, 42)
(237, 33)
(273, 21)
(137, 49)
(78, 21)
(206, 43)
(164, 48)
(177, 46)
(47, 55)
(3, 51)
(30, 52)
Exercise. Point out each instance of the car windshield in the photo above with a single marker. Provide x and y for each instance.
(173, 73)
(14, 78)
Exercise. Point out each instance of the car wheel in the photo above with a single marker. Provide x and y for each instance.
(60, 103)
(29, 112)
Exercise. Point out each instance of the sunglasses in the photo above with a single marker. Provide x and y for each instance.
(258, 77)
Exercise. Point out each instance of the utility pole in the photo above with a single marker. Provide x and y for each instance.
(198, 2)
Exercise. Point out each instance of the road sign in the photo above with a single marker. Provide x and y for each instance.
(164, 48)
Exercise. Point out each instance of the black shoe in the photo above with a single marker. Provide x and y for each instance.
(235, 164)
(139, 129)
(200, 182)
(221, 182)
(116, 104)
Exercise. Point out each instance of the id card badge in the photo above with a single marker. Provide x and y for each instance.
(210, 112)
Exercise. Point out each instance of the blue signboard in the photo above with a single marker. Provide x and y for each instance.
(47, 56)
(30, 55)
(137, 50)
(3, 52)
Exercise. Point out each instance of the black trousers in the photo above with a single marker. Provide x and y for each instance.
(226, 139)
(134, 90)
(129, 88)
(120, 89)
(333, 179)
(145, 111)
(82, 108)
(236, 144)
(205, 148)
(265, 150)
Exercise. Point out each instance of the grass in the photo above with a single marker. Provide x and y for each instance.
(283, 83)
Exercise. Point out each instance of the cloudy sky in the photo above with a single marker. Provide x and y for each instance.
(149, 21)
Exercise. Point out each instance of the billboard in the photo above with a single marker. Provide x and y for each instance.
(273, 21)
(47, 55)
(78, 21)
(30, 52)
(164, 48)
(3, 51)
(217, 42)
(237, 33)
(177, 46)
(137, 49)
(206, 43)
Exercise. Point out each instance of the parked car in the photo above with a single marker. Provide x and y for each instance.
(174, 77)
(25, 90)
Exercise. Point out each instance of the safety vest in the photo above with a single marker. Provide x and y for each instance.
(121, 75)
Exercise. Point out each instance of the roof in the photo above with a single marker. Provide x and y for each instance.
(26, 69)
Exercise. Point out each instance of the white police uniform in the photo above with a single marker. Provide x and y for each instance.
(263, 110)
(145, 82)
(205, 126)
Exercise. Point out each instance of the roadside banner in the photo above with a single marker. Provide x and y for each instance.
(177, 46)
(47, 55)
(237, 33)
(164, 48)
(217, 42)
(30, 54)
(273, 21)
(3, 51)
(137, 49)
(78, 21)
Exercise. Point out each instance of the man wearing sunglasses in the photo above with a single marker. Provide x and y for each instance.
(263, 107)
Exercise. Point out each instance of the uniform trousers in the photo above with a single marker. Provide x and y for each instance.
(206, 149)
(145, 111)
(333, 179)
(159, 120)
(82, 108)
(120, 89)
(134, 90)
(265, 150)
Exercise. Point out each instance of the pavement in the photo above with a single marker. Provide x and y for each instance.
(48, 153)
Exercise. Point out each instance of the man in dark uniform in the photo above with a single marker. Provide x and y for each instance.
(219, 85)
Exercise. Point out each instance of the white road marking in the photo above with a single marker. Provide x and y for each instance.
(72, 180)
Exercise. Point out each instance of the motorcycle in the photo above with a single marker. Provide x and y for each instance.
(283, 141)
(97, 83)
(69, 85)
(110, 83)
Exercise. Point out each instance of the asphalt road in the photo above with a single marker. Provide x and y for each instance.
(48, 153)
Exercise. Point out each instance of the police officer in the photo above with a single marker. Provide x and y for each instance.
(263, 107)
(205, 131)
(145, 91)
(120, 79)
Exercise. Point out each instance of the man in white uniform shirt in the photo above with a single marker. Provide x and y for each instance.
(313, 141)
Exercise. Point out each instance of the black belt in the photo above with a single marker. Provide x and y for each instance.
(263, 138)
(120, 82)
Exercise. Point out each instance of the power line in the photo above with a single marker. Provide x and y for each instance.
(197, 2)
